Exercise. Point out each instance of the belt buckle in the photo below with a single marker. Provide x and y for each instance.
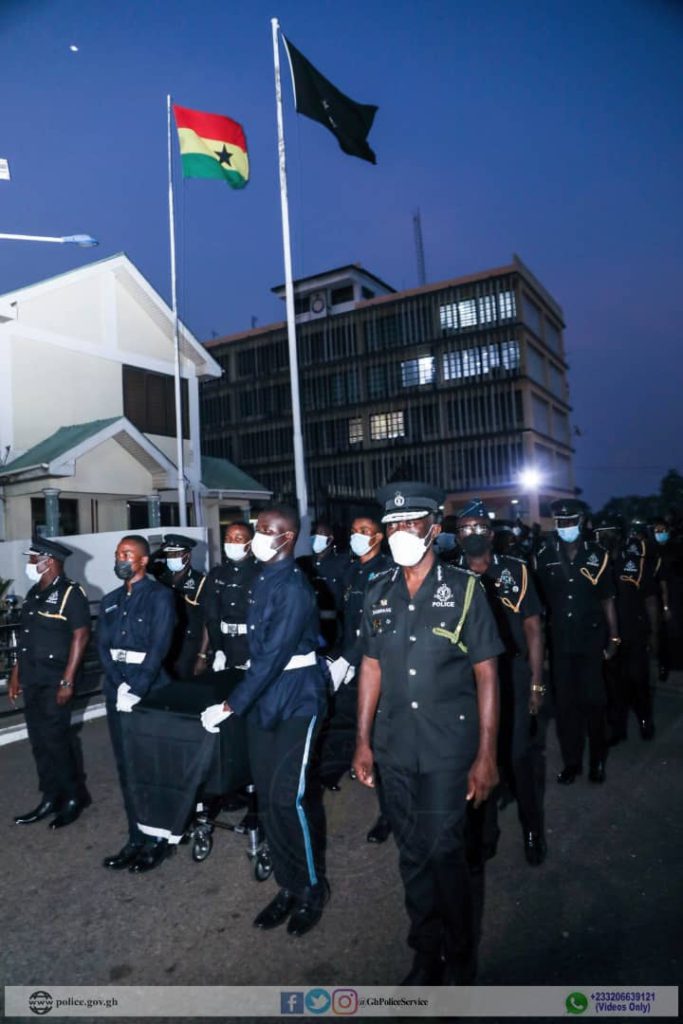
(232, 629)
(121, 655)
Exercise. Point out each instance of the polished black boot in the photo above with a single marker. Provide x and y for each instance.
(535, 848)
(277, 911)
(71, 810)
(44, 808)
(597, 772)
(124, 858)
(308, 909)
(426, 970)
(568, 775)
(150, 856)
(380, 831)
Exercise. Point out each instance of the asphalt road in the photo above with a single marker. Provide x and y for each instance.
(605, 908)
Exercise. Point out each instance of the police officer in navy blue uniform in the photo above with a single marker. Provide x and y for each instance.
(187, 655)
(517, 609)
(325, 569)
(53, 635)
(339, 740)
(578, 589)
(227, 599)
(283, 696)
(134, 634)
(429, 678)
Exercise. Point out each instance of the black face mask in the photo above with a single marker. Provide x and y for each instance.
(475, 545)
(123, 569)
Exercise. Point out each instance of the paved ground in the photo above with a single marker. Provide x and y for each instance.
(605, 909)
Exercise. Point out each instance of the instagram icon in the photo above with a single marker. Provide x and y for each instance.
(344, 1001)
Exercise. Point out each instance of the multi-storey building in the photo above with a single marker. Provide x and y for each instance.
(462, 383)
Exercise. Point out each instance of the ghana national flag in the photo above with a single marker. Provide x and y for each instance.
(212, 146)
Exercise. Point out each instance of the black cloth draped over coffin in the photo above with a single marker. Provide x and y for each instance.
(171, 758)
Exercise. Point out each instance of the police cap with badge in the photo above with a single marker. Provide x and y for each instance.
(410, 499)
(48, 549)
(568, 508)
(474, 509)
(177, 542)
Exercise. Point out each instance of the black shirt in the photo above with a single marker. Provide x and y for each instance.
(228, 588)
(49, 618)
(635, 579)
(574, 592)
(190, 601)
(427, 717)
(356, 578)
(513, 598)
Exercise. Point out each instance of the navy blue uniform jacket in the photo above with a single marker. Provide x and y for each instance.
(143, 620)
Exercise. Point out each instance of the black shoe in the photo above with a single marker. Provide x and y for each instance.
(535, 848)
(150, 856)
(308, 909)
(647, 729)
(425, 971)
(44, 808)
(277, 911)
(69, 812)
(567, 776)
(597, 772)
(380, 831)
(124, 858)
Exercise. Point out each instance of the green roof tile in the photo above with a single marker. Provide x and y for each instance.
(222, 475)
(59, 443)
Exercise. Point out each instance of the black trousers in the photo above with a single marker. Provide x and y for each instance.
(627, 677)
(427, 814)
(55, 744)
(289, 802)
(580, 706)
(521, 744)
(114, 723)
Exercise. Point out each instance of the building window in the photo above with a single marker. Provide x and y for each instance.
(377, 381)
(356, 431)
(385, 425)
(506, 305)
(367, 293)
(531, 314)
(556, 381)
(341, 295)
(509, 351)
(552, 336)
(68, 517)
(560, 426)
(415, 372)
(539, 414)
(301, 305)
(487, 309)
(149, 401)
(535, 364)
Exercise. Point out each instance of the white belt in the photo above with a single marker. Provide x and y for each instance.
(301, 661)
(328, 615)
(127, 657)
(234, 628)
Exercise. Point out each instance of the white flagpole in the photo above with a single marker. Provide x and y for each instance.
(182, 500)
(299, 465)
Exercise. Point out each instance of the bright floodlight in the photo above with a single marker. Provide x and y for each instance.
(530, 479)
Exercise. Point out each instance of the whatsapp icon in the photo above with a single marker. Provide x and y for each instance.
(576, 1003)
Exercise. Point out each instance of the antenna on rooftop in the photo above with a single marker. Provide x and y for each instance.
(419, 248)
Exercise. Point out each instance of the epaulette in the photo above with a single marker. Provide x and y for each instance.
(514, 558)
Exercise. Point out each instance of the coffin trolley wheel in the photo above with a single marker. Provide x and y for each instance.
(202, 845)
(262, 865)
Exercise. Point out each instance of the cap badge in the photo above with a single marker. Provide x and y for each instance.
(444, 593)
(399, 500)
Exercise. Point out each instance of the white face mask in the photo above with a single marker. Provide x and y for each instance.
(319, 542)
(262, 546)
(175, 564)
(33, 572)
(569, 533)
(236, 552)
(406, 548)
(360, 544)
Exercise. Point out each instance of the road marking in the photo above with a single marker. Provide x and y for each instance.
(15, 733)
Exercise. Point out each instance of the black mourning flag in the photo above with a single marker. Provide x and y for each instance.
(315, 97)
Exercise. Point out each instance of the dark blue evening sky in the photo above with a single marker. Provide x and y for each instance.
(550, 129)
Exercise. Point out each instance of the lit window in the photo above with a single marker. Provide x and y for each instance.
(356, 431)
(509, 351)
(384, 425)
(487, 309)
(448, 317)
(506, 305)
(417, 371)
(467, 313)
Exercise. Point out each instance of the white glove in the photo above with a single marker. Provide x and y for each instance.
(341, 671)
(125, 698)
(213, 716)
(219, 661)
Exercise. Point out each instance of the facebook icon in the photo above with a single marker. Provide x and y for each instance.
(292, 1002)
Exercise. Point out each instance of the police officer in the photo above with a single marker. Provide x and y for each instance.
(227, 599)
(429, 677)
(187, 656)
(134, 634)
(668, 551)
(517, 609)
(577, 586)
(339, 740)
(283, 697)
(325, 569)
(54, 633)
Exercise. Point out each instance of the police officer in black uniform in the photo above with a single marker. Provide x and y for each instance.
(227, 599)
(429, 678)
(283, 696)
(325, 569)
(134, 634)
(54, 633)
(339, 739)
(576, 583)
(187, 656)
(517, 609)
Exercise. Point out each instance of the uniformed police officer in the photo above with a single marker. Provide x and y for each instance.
(339, 739)
(283, 696)
(429, 677)
(325, 569)
(227, 598)
(517, 609)
(134, 634)
(577, 586)
(187, 656)
(54, 633)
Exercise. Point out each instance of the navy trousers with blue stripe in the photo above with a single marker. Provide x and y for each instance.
(289, 802)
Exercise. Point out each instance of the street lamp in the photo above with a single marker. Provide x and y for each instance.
(85, 241)
(530, 479)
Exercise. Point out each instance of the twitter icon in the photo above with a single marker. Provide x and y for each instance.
(318, 1000)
